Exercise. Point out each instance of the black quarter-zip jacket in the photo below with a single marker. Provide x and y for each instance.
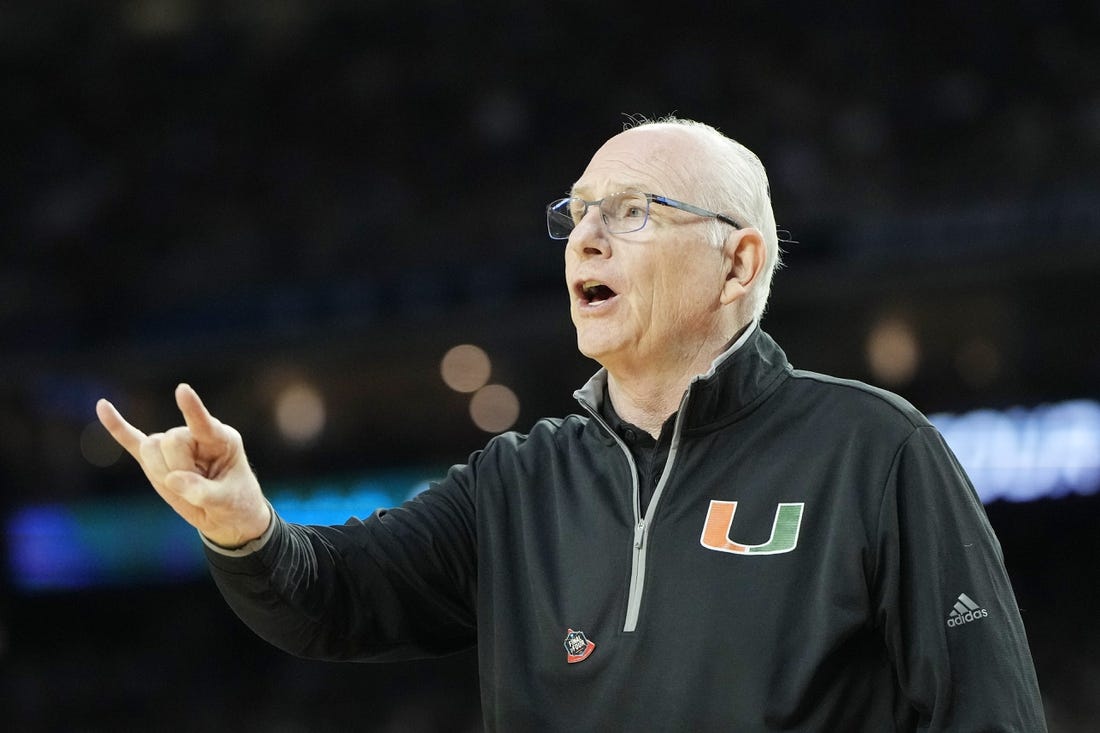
(813, 558)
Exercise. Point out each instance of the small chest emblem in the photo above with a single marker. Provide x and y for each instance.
(577, 647)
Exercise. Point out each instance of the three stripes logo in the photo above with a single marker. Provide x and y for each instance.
(965, 611)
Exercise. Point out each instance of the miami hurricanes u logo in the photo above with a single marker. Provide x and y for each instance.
(784, 538)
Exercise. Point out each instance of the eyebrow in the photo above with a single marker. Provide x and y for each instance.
(615, 186)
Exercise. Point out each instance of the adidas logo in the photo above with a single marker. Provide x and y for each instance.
(965, 611)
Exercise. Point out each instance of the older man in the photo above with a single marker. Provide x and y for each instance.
(723, 542)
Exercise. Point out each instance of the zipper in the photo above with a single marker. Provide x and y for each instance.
(641, 524)
(637, 565)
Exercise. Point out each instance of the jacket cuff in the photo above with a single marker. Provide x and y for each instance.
(246, 549)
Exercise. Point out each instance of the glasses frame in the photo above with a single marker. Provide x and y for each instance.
(651, 198)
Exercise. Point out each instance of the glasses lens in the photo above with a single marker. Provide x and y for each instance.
(560, 217)
(625, 212)
(621, 212)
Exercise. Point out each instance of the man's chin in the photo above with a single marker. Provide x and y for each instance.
(593, 349)
(605, 352)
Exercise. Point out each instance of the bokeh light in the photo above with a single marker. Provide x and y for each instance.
(465, 368)
(494, 408)
(893, 351)
(300, 413)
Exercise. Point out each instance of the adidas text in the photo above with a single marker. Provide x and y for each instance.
(960, 619)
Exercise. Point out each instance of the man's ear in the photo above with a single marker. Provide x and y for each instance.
(746, 258)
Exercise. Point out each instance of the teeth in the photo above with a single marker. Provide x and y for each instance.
(589, 284)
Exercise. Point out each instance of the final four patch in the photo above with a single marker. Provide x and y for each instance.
(577, 647)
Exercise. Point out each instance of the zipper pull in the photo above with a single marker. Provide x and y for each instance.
(639, 535)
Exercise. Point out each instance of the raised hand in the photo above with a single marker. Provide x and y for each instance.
(200, 469)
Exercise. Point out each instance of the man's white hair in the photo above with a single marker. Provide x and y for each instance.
(736, 185)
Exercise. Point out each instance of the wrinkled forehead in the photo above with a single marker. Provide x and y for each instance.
(654, 159)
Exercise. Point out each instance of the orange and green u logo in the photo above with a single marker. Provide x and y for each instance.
(784, 537)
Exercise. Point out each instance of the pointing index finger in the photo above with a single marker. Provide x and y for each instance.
(126, 434)
(202, 424)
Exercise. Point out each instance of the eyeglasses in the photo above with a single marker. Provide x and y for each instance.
(622, 213)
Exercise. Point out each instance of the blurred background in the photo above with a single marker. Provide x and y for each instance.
(328, 217)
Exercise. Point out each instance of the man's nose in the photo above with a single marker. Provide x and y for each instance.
(589, 236)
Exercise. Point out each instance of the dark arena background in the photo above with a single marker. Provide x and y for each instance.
(303, 208)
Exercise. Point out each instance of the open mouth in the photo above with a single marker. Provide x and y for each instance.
(594, 292)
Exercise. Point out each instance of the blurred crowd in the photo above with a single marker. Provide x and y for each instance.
(228, 193)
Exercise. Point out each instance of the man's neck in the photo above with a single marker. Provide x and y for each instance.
(644, 403)
(647, 397)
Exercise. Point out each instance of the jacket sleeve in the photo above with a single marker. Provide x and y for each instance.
(402, 584)
(945, 605)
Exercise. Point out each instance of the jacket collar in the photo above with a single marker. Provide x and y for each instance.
(737, 381)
